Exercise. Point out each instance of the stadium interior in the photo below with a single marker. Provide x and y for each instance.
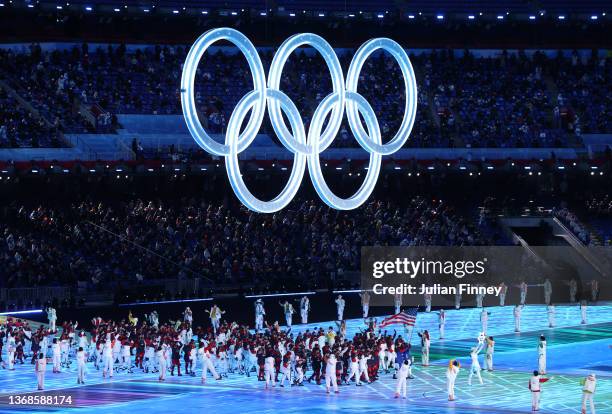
(107, 203)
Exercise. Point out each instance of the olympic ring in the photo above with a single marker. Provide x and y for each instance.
(306, 146)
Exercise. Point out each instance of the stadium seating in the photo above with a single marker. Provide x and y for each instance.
(103, 243)
(500, 100)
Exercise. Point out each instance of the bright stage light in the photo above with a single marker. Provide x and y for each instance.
(24, 312)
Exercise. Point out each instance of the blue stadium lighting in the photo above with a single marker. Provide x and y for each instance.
(204, 12)
(59, 7)
(30, 6)
(594, 167)
(284, 168)
(351, 15)
(380, 16)
(411, 16)
(439, 17)
(117, 10)
(561, 17)
(347, 291)
(150, 170)
(24, 312)
(339, 168)
(92, 171)
(593, 17)
(397, 168)
(274, 295)
(203, 169)
(532, 17)
(263, 14)
(89, 8)
(500, 17)
(292, 14)
(471, 17)
(527, 167)
(158, 302)
(1, 4)
(260, 169)
(561, 167)
(462, 168)
(321, 14)
(146, 10)
(66, 171)
(234, 13)
(175, 11)
(431, 168)
(119, 170)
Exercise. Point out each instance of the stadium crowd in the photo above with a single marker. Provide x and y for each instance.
(19, 128)
(103, 244)
(510, 100)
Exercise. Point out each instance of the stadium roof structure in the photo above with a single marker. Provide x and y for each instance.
(445, 8)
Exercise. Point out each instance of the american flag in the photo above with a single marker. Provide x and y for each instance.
(407, 317)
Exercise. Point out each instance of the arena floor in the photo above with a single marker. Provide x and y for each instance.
(573, 351)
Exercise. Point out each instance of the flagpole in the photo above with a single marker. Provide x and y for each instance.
(413, 327)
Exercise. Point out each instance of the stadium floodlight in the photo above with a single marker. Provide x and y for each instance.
(291, 14)
(500, 17)
(23, 312)
(146, 10)
(89, 8)
(561, 17)
(306, 146)
(471, 17)
(380, 16)
(321, 14)
(30, 6)
(204, 12)
(411, 16)
(234, 13)
(532, 17)
(440, 17)
(59, 7)
(175, 12)
(593, 17)
(117, 10)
